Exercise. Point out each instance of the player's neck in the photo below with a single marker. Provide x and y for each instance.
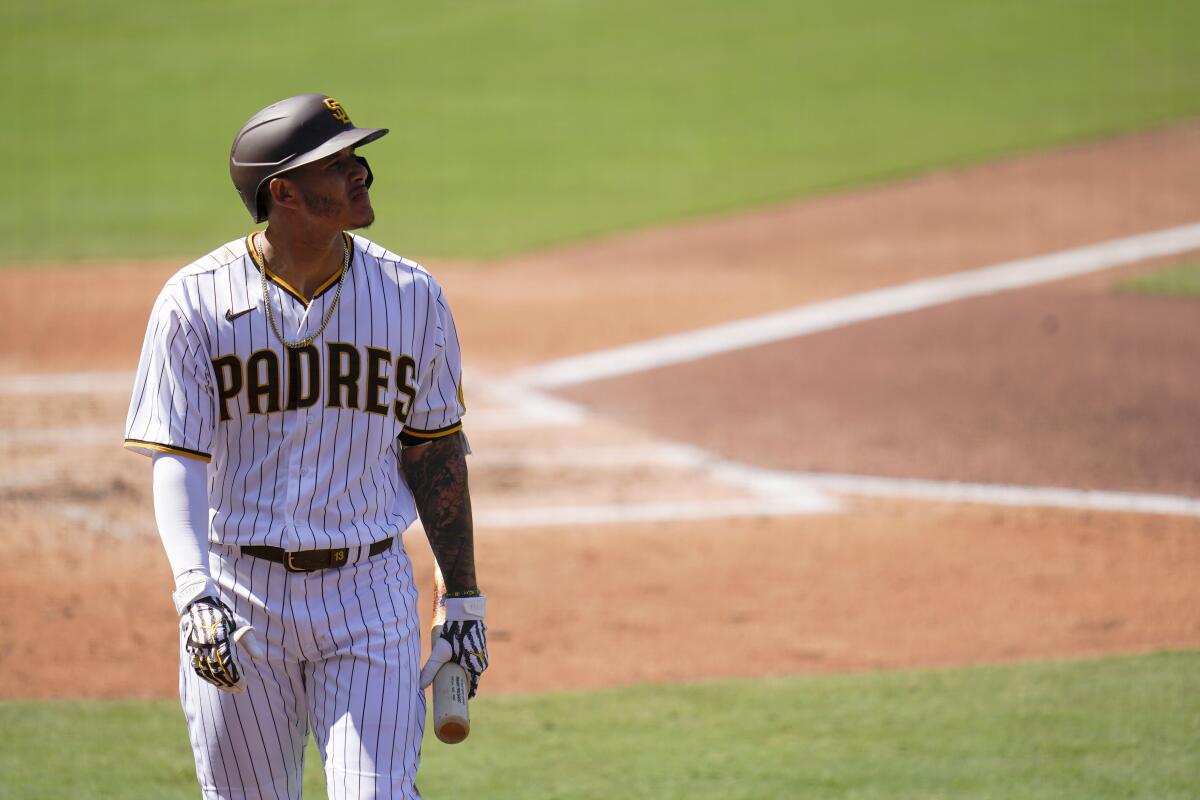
(305, 259)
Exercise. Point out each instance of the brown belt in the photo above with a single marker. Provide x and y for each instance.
(311, 560)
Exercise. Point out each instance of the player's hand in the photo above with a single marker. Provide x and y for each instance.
(212, 638)
(463, 640)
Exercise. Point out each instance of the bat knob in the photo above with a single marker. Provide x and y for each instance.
(247, 639)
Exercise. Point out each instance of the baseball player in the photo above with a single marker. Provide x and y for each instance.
(300, 394)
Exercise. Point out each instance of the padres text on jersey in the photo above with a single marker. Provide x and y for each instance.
(214, 382)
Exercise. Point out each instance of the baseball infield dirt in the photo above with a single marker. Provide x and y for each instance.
(1072, 384)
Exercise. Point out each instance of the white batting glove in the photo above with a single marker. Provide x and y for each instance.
(463, 640)
(210, 634)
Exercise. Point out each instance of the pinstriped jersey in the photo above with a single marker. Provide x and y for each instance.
(301, 443)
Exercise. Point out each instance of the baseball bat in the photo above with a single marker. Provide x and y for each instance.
(248, 639)
(451, 717)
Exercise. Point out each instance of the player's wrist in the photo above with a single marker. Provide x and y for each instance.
(190, 587)
(473, 592)
(462, 609)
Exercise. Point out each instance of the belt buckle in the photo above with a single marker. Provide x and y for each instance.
(290, 566)
(337, 558)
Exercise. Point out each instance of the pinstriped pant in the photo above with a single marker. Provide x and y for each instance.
(343, 654)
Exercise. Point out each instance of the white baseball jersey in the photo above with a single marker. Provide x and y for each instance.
(302, 442)
(303, 455)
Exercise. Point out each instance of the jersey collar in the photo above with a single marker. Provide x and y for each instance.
(282, 284)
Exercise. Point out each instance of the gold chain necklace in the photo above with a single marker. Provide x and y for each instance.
(328, 312)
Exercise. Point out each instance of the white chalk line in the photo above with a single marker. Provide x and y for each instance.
(760, 330)
(625, 513)
(823, 316)
(753, 331)
(778, 492)
(1003, 495)
(811, 491)
(506, 405)
(816, 494)
(775, 492)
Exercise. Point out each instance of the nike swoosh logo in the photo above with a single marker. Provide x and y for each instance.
(230, 316)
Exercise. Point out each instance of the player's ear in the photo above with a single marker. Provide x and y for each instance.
(282, 193)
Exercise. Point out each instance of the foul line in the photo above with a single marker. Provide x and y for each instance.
(681, 348)
(778, 492)
(754, 331)
(625, 513)
(847, 486)
(1002, 495)
(789, 493)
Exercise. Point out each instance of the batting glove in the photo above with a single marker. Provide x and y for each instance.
(210, 634)
(463, 640)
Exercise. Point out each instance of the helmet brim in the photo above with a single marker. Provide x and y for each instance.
(353, 137)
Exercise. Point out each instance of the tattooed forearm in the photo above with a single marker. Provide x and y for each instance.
(437, 474)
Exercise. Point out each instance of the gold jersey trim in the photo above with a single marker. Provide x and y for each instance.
(287, 287)
(439, 433)
(136, 444)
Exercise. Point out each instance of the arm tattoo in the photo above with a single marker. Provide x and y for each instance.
(437, 475)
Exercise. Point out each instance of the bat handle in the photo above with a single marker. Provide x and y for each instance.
(451, 716)
(248, 639)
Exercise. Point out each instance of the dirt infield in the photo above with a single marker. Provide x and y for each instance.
(1068, 385)
(1071, 384)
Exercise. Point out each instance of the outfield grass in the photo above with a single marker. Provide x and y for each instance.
(1181, 279)
(1113, 728)
(526, 122)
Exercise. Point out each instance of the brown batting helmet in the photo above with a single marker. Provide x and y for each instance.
(290, 134)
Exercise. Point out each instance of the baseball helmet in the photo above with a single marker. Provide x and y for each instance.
(289, 134)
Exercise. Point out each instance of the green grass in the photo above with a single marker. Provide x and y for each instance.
(1181, 279)
(1113, 728)
(527, 122)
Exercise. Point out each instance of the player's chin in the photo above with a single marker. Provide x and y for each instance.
(363, 220)
(362, 211)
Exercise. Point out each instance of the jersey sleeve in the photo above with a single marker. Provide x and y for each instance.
(172, 408)
(438, 406)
